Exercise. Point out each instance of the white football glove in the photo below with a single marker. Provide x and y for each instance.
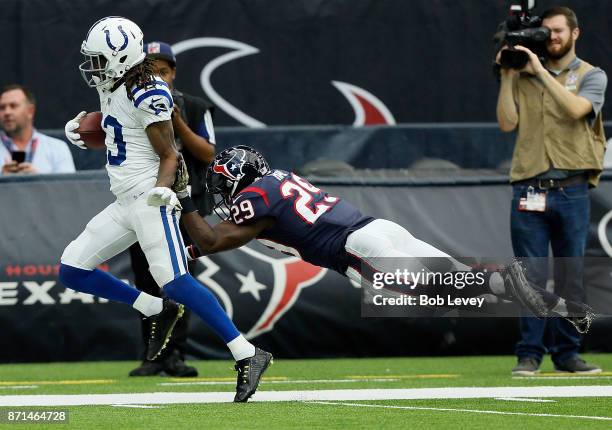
(163, 196)
(73, 124)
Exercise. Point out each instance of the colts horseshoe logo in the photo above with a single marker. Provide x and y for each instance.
(110, 43)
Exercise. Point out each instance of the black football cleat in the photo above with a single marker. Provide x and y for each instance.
(580, 315)
(161, 326)
(147, 368)
(522, 291)
(175, 366)
(250, 371)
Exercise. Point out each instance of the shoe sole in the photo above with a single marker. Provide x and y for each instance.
(270, 363)
(179, 314)
(580, 372)
(525, 372)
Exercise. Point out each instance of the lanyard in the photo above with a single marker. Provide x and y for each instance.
(33, 146)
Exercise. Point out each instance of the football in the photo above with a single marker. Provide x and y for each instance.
(91, 131)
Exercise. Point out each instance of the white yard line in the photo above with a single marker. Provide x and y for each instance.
(522, 399)
(309, 395)
(18, 387)
(475, 411)
(288, 381)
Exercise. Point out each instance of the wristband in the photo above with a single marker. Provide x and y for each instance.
(187, 205)
(193, 252)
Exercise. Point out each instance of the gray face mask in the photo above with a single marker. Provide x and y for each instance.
(93, 70)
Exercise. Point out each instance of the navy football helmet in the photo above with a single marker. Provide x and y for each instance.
(231, 171)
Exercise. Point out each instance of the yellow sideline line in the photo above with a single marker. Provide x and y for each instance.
(67, 382)
(424, 376)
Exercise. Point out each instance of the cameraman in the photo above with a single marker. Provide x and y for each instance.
(195, 139)
(558, 155)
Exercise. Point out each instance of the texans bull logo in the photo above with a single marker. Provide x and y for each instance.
(368, 109)
(255, 288)
(231, 168)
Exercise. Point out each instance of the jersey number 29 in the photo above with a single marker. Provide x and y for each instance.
(305, 190)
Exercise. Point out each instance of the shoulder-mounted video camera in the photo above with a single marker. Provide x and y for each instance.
(523, 29)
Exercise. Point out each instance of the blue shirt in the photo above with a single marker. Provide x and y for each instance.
(47, 154)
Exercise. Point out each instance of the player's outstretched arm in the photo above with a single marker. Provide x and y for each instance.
(223, 236)
(161, 136)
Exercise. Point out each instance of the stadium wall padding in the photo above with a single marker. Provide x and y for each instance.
(320, 316)
(469, 146)
(423, 60)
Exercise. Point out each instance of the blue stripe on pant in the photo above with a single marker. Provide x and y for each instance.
(177, 232)
(170, 242)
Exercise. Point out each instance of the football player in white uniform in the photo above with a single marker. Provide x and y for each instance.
(142, 163)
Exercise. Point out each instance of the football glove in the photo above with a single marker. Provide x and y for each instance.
(163, 196)
(180, 186)
(73, 124)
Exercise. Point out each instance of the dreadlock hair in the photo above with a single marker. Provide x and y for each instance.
(140, 75)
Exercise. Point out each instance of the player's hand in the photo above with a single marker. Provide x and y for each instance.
(163, 196)
(73, 124)
(180, 186)
(534, 65)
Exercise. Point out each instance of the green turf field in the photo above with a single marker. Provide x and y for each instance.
(322, 395)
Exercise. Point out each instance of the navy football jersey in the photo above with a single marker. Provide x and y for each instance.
(309, 223)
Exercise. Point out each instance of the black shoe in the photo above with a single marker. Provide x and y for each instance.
(577, 365)
(162, 325)
(147, 368)
(249, 373)
(175, 366)
(527, 366)
(580, 315)
(522, 291)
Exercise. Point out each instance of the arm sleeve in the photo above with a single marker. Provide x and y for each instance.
(206, 129)
(593, 88)
(154, 103)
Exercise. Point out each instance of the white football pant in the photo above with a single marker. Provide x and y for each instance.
(385, 246)
(125, 221)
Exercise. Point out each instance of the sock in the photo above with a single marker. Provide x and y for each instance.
(241, 348)
(186, 290)
(97, 283)
(147, 304)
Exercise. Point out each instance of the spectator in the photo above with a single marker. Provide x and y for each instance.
(25, 150)
(558, 155)
(195, 138)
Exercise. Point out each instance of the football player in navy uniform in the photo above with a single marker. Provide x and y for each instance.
(286, 212)
(142, 163)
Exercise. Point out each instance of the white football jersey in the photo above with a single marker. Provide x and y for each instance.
(131, 159)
